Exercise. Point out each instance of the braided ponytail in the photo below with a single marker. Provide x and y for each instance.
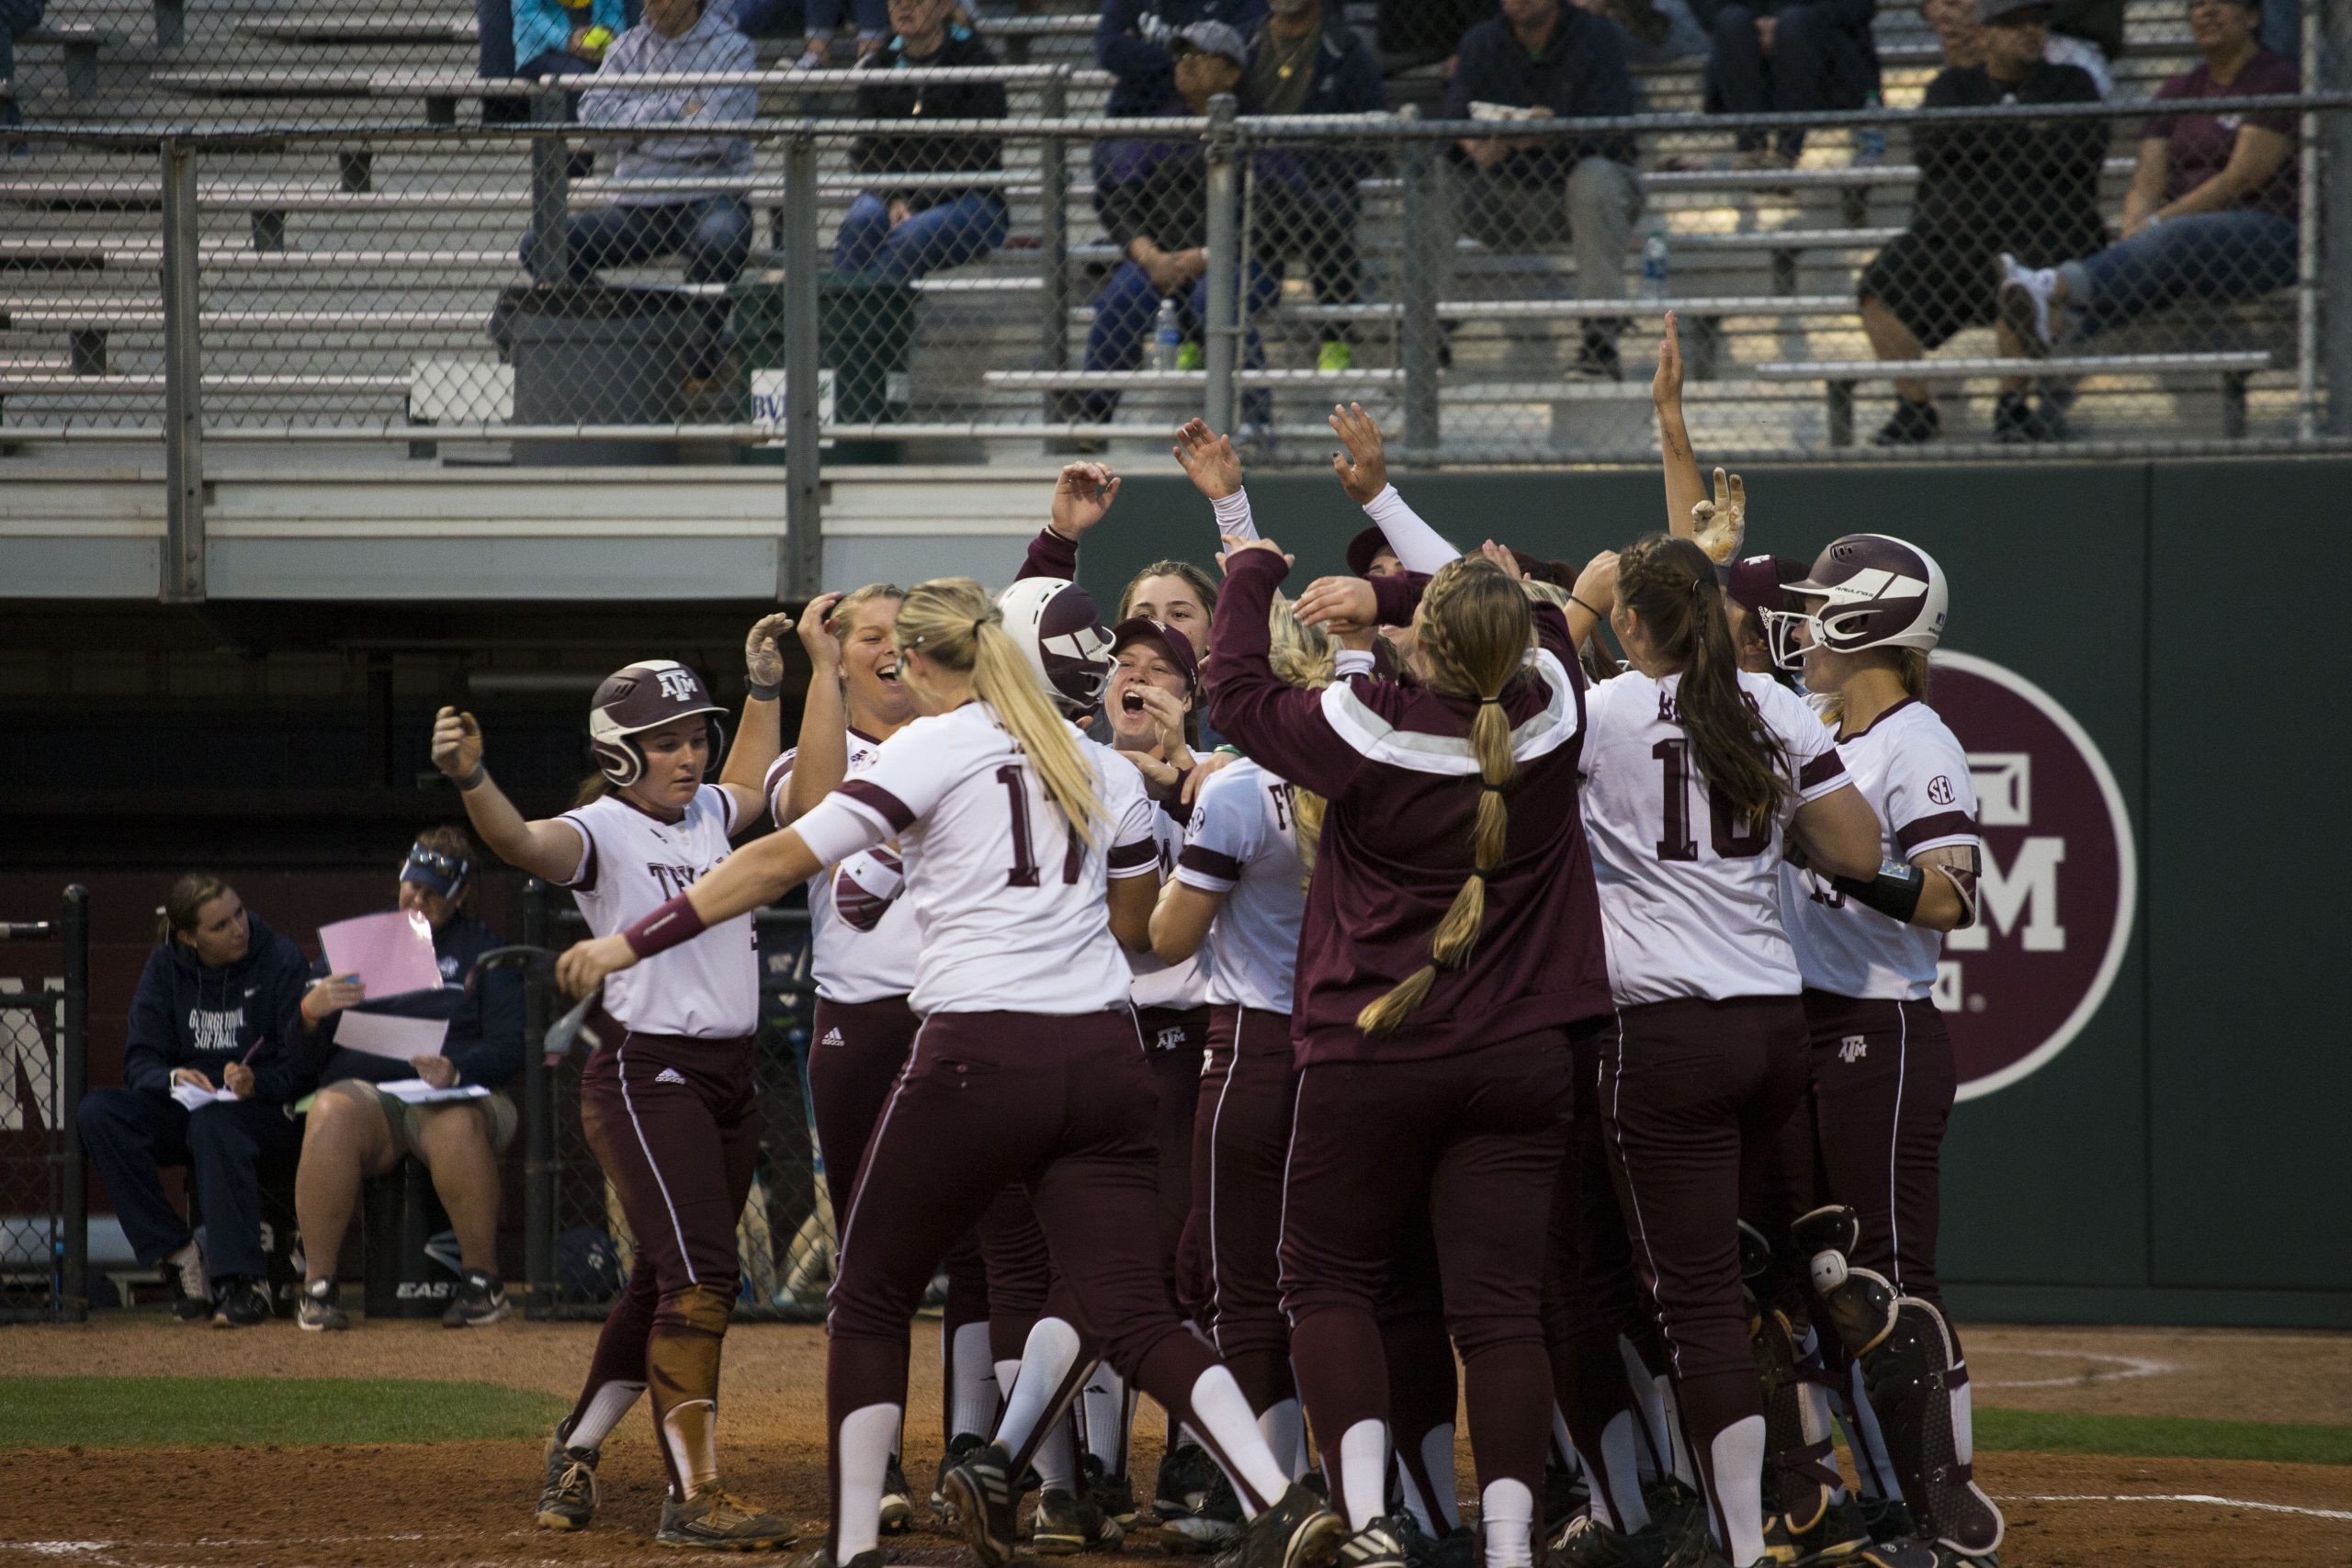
(1474, 633)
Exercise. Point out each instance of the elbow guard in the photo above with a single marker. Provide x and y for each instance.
(1894, 892)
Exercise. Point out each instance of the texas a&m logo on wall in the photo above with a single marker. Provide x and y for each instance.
(2060, 884)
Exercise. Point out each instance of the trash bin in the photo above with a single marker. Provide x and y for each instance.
(594, 354)
(865, 328)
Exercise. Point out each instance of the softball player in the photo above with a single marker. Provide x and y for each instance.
(667, 1099)
(1882, 1077)
(1431, 1010)
(1013, 833)
(1692, 771)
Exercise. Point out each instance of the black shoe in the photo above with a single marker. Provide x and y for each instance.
(1183, 1485)
(1589, 1544)
(1214, 1525)
(1115, 1495)
(960, 1447)
(567, 1496)
(243, 1304)
(480, 1300)
(897, 1504)
(1296, 1532)
(184, 1276)
(1839, 1535)
(820, 1558)
(1458, 1548)
(317, 1312)
(1597, 357)
(1680, 1515)
(1064, 1526)
(1380, 1544)
(980, 1495)
(1888, 1519)
(1913, 425)
(1566, 1495)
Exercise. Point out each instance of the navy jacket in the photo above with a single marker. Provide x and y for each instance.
(186, 1014)
(1147, 77)
(485, 1038)
(1582, 74)
(1345, 79)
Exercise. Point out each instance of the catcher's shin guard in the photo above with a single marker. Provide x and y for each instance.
(1905, 1349)
(1800, 1470)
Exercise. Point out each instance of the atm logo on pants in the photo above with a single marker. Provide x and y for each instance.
(2059, 887)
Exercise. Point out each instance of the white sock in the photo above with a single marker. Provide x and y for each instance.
(1616, 1481)
(1507, 1515)
(864, 1442)
(1223, 1413)
(1678, 1446)
(1963, 1420)
(1414, 1504)
(1057, 1459)
(1737, 1455)
(971, 1381)
(1103, 1413)
(1046, 1361)
(1814, 1403)
(1656, 1445)
(1437, 1459)
(1868, 1444)
(605, 1412)
(1285, 1424)
(1363, 1472)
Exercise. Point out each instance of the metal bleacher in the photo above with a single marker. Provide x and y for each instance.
(327, 278)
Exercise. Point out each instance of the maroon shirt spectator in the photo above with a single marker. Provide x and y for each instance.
(2199, 143)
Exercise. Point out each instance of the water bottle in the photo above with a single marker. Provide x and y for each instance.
(1653, 263)
(1870, 142)
(1167, 337)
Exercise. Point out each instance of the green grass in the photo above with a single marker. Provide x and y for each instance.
(2160, 1437)
(131, 1412)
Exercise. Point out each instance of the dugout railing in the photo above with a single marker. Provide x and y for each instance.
(44, 1070)
(577, 1245)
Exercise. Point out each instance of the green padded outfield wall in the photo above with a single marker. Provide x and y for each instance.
(2186, 1156)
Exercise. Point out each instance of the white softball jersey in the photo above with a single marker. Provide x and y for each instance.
(631, 864)
(1159, 985)
(1690, 896)
(1243, 843)
(1008, 899)
(862, 934)
(1914, 771)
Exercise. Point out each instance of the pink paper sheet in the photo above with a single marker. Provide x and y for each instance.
(391, 953)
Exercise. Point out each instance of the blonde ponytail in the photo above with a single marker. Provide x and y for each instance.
(954, 623)
(1475, 632)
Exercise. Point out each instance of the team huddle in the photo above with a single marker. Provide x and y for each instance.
(1259, 1002)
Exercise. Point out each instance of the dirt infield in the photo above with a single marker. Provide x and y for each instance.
(395, 1507)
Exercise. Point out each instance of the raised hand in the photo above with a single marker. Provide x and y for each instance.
(1235, 547)
(1082, 493)
(1208, 461)
(764, 653)
(1719, 525)
(1597, 583)
(457, 744)
(1363, 468)
(1501, 555)
(1338, 603)
(1666, 385)
(824, 648)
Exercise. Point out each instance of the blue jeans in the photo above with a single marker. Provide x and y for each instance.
(1814, 65)
(131, 1134)
(949, 235)
(810, 18)
(16, 16)
(2213, 255)
(712, 233)
(1123, 313)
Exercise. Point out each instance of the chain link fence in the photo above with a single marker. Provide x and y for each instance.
(362, 230)
(44, 1068)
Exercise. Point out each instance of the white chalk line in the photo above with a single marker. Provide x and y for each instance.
(2122, 1369)
(2181, 1497)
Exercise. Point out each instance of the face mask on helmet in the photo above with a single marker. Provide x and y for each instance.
(1875, 592)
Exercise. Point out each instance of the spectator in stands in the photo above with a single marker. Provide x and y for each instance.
(17, 18)
(1306, 59)
(210, 1069)
(1959, 32)
(1788, 57)
(1656, 31)
(1134, 43)
(2026, 186)
(2212, 208)
(712, 230)
(909, 232)
(816, 22)
(556, 38)
(1542, 59)
(356, 1129)
(1152, 197)
(2088, 33)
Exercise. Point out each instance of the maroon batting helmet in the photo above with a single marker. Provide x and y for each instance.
(1879, 593)
(641, 696)
(1057, 625)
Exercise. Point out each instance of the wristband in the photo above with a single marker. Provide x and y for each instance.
(672, 923)
(760, 692)
(473, 781)
(1585, 608)
(1894, 892)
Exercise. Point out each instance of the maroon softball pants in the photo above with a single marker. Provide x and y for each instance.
(1462, 1148)
(1227, 1268)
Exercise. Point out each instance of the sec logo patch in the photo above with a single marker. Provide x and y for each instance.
(2060, 886)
